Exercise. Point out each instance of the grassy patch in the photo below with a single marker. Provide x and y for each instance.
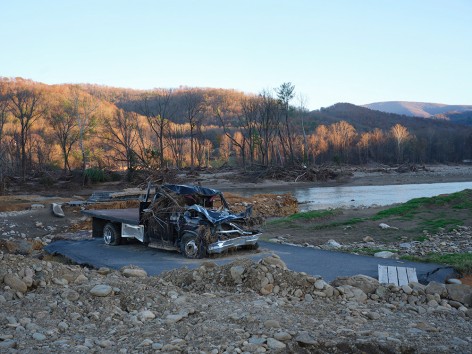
(422, 238)
(461, 262)
(436, 224)
(458, 200)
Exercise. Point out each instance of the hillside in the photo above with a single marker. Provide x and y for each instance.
(418, 109)
(364, 119)
(79, 127)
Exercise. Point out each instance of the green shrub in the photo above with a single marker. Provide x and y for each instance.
(95, 175)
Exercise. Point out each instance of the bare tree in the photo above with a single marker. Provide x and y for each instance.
(3, 119)
(158, 107)
(243, 125)
(319, 142)
(363, 146)
(267, 122)
(26, 105)
(83, 108)
(377, 143)
(400, 134)
(175, 137)
(193, 105)
(66, 131)
(121, 132)
(341, 136)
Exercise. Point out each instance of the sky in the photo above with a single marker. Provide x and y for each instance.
(357, 51)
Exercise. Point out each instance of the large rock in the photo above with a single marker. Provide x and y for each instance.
(436, 288)
(305, 338)
(367, 284)
(274, 260)
(237, 274)
(101, 290)
(385, 254)
(134, 273)
(15, 283)
(332, 244)
(16, 246)
(352, 293)
(460, 292)
(275, 344)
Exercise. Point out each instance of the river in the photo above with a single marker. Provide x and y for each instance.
(357, 196)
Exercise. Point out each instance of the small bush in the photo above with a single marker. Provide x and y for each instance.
(95, 175)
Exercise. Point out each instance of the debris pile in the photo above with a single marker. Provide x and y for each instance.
(294, 174)
(271, 276)
(264, 205)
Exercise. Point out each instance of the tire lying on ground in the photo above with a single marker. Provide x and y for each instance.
(111, 234)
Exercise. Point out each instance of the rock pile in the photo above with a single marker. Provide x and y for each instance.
(242, 307)
(458, 240)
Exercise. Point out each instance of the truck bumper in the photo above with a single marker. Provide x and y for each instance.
(221, 246)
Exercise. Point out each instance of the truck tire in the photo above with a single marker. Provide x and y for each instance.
(192, 246)
(111, 234)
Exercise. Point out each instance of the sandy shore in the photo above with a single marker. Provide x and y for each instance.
(432, 174)
(360, 176)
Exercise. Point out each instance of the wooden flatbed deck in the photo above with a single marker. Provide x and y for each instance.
(127, 216)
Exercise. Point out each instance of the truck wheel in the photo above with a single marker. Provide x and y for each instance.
(111, 234)
(192, 246)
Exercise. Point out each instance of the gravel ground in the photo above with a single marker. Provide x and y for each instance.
(242, 307)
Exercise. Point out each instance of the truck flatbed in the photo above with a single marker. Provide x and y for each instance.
(127, 216)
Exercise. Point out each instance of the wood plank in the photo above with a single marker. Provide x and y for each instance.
(411, 272)
(392, 275)
(402, 276)
(383, 277)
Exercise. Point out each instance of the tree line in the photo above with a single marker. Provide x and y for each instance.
(79, 127)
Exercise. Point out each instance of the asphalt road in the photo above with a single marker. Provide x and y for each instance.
(327, 264)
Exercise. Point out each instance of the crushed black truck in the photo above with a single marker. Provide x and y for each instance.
(193, 220)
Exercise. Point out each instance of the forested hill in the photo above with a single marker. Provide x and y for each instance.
(364, 119)
(86, 127)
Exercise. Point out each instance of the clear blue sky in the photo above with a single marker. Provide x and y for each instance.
(357, 51)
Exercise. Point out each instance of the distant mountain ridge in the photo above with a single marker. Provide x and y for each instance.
(365, 119)
(419, 109)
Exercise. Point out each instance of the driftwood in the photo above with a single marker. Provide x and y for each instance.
(311, 174)
(167, 204)
(410, 168)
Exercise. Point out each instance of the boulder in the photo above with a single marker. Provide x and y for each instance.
(352, 293)
(274, 261)
(237, 274)
(333, 244)
(436, 288)
(134, 273)
(460, 292)
(385, 254)
(304, 338)
(101, 290)
(15, 283)
(17, 246)
(367, 284)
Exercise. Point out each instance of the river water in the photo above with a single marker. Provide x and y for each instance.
(356, 196)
